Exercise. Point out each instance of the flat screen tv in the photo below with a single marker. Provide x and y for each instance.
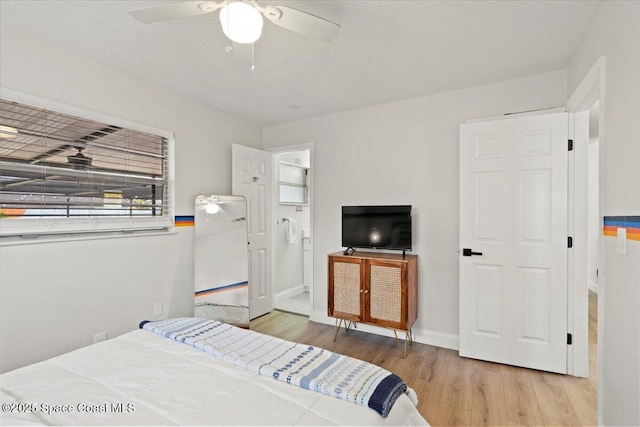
(377, 227)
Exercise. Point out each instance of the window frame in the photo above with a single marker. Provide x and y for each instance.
(34, 227)
(305, 187)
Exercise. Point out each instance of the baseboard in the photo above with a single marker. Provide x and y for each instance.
(593, 287)
(289, 293)
(422, 336)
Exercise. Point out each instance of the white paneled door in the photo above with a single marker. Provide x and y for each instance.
(514, 240)
(251, 178)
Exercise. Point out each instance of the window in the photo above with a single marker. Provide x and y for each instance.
(62, 174)
(293, 184)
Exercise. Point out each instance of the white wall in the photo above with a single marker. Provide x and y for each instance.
(65, 292)
(615, 33)
(406, 153)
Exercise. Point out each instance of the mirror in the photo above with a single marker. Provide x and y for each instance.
(221, 259)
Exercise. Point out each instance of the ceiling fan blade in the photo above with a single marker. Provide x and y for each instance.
(167, 12)
(302, 22)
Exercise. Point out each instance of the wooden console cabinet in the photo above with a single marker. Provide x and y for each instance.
(375, 288)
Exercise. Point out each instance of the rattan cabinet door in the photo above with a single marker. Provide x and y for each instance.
(345, 288)
(386, 295)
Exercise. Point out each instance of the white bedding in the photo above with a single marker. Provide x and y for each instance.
(160, 382)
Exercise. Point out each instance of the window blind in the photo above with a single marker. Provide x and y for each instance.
(55, 166)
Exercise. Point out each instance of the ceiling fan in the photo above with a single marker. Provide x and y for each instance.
(79, 160)
(241, 20)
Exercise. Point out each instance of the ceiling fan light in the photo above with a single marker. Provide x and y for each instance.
(8, 132)
(241, 22)
(212, 208)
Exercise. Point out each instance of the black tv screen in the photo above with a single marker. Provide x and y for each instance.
(377, 227)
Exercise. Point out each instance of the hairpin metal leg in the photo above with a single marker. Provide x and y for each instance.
(348, 324)
(335, 335)
(408, 338)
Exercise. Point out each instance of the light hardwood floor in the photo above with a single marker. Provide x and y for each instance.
(457, 391)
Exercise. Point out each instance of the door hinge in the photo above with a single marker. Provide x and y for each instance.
(569, 339)
(570, 242)
(571, 145)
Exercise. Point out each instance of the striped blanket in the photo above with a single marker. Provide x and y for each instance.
(298, 364)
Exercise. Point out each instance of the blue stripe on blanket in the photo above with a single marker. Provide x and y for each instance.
(306, 380)
(306, 366)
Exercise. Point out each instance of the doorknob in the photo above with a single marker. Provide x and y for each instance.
(469, 252)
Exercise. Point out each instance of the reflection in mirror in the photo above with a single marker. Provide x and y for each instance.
(221, 259)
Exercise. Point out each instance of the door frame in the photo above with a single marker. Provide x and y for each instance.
(274, 201)
(590, 90)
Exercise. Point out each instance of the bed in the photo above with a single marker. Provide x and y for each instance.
(144, 378)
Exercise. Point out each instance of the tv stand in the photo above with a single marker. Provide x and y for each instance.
(375, 288)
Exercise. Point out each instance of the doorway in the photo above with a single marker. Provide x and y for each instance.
(594, 232)
(292, 247)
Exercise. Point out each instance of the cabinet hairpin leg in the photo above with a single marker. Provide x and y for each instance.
(338, 323)
(347, 327)
(408, 338)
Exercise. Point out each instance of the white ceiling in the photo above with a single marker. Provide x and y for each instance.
(385, 50)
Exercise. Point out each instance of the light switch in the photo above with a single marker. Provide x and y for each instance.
(622, 240)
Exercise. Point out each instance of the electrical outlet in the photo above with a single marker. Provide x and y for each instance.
(157, 308)
(102, 336)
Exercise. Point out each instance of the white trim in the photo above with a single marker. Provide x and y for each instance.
(571, 217)
(593, 287)
(590, 90)
(422, 336)
(292, 147)
(16, 241)
(578, 296)
(35, 227)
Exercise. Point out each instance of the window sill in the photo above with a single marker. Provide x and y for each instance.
(59, 238)
(293, 204)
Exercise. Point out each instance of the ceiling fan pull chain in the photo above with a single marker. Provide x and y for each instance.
(253, 56)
